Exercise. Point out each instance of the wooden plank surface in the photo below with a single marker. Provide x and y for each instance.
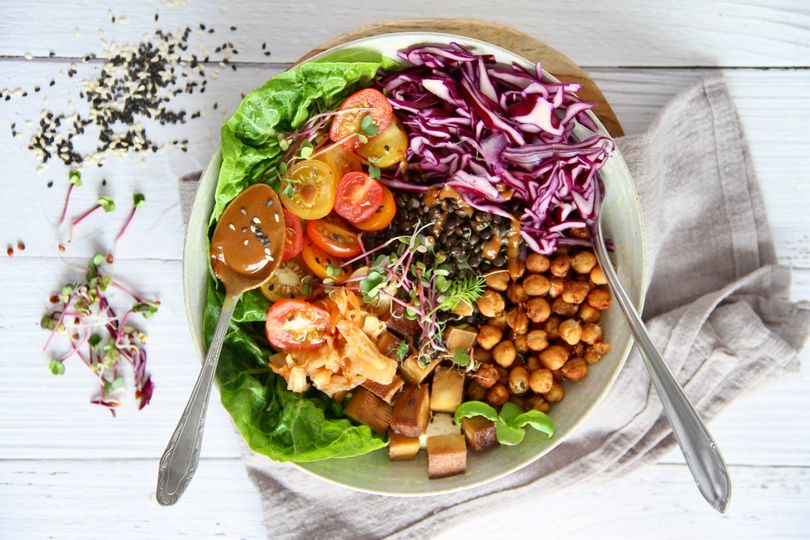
(604, 33)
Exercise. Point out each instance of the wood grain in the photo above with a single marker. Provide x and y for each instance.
(619, 33)
(502, 35)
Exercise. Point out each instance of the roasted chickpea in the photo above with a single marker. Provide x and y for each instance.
(497, 280)
(597, 276)
(533, 364)
(570, 331)
(486, 376)
(518, 380)
(580, 232)
(575, 369)
(497, 395)
(591, 333)
(491, 303)
(476, 392)
(588, 313)
(537, 340)
(552, 327)
(595, 352)
(499, 321)
(536, 285)
(561, 307)
(553, 357)
(560, 264)
(599, 299)
(583, 262)
(482, 356)
(540, 381)
(556, 286)
(518, 400)
(537, 263)
(517, 320)
(504, 353)
(516, 268)
(575, 292)
(503, 374)
(537, 403)
(516, 293)
(538, 309)
(521, 343)
(556, 393)
(489, 336)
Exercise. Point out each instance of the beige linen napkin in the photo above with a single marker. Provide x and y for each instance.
(717, 308)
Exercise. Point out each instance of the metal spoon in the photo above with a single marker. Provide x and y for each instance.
(699, 449)
(245, 251)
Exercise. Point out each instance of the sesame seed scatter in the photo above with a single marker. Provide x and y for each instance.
(135, 83)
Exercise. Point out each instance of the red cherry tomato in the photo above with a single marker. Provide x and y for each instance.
(382, 216)
(294, 239)
(358, 197)
(295, 325)
(349, 121)
(333, 239)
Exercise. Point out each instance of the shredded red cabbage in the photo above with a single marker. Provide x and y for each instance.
(500, 136)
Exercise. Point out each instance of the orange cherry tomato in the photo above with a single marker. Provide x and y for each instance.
(348, 122)
(295, 325)
(357, 197)
(382, 216)
(333, 239)
(294, 239)
(341, 160)
(318, 261)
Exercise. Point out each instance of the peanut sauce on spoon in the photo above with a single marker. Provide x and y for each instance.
(249, 237)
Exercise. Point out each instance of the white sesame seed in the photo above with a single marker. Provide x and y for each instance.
(245, 242)
(257, 221)
(231, 226)
(276, 217)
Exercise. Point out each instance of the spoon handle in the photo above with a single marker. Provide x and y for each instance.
(179, 461)
(699, 449)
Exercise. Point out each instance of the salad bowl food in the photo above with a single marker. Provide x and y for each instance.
(339, 430)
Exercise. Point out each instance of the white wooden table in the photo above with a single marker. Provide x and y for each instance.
(68, 470)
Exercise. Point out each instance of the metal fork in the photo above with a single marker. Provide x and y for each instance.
(699, 449)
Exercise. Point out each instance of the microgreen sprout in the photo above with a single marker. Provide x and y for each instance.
(74, 180)
(102, 202)
(100, 337)
(368, 126)
(138, 200)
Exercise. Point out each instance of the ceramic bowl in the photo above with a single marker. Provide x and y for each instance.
(374, 472)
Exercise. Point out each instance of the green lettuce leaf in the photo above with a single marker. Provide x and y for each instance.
(283, 425)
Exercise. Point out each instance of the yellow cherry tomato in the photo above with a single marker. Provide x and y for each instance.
(311, 192)
(341, 160)
(386, 148)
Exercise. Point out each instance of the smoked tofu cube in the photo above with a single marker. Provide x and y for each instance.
(411, 411)
(366, 408)
(413, 373)
(385, 392)
(447, 390)
(479, 432)
(401, 448)
(447, 455)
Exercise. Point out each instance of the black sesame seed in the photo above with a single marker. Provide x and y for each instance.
(233, 28)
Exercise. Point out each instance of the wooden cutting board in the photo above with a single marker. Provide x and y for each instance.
(504, 36)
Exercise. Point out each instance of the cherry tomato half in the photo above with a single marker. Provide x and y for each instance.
(382, 216)
(294, 236)
(357, 197)
(386, 149)
(348, 121)
(295, 325)
(341, 160)
(333, 239)
(318, 261)
(312, 184)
